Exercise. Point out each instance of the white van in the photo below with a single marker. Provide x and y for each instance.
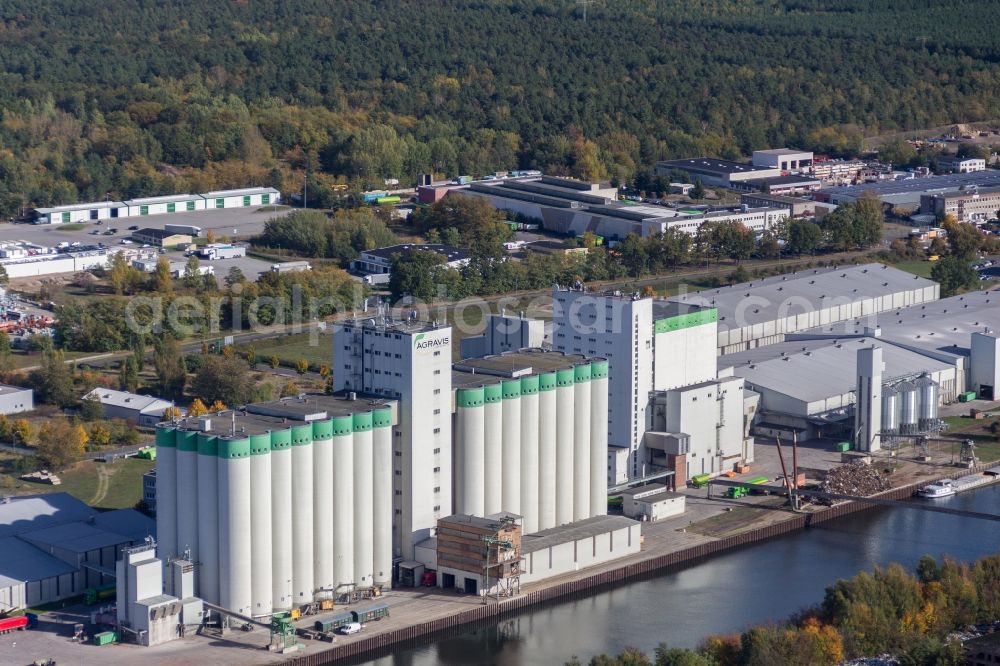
(350, 628)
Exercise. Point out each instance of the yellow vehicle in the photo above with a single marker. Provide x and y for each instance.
(933, 257)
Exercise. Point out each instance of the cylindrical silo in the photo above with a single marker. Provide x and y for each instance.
(322, 505)
(599, 438)
(187, 494)
(908, 416)
(166, 492)
(529, 454)
(382, 490)
(262, 562)
(343, 500)
(890, 409)
(300, 505)
(208, 517)
(510, 492)
(235, 540)
(928, 392)
(493, 454)
(364, 521)
(282, 508)
(564, 445)
(471, 447)
(547, 428)
(581, 441)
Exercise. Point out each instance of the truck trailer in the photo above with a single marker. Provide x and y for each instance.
(184, 229)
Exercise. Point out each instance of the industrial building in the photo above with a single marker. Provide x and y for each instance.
(214, 251)
(161, 238)
(379, 261)
(279, 503)
(54, 547)
(530, 437)
(972, 204)
(28, 260)
(651, 502)
(504, 333)
(143, 610)
(786, 159)
(839, 172)
(715, 172)
(16, 399)
(784, 185)
(796, 206)
(143, 410)
(174, 203)
(907, 192)
(955, 164)
(409, 362)
(763, 312)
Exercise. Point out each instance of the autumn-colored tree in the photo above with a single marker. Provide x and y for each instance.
(197, 408)
(289, 390)
(302, 366)
(60, 443)
(171, 413)
(210, 236)
(227, 351)
(274, 361)
(100, 435)
(251, 356)
(217, 406)
(24, 433)
(648, 292)
(324, 371)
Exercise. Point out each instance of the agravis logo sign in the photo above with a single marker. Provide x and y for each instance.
(420, 343)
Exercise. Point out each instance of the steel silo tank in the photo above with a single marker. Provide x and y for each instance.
(581, 442)
(890, 409)
(599, 438)
(928, 389)
(908, 415)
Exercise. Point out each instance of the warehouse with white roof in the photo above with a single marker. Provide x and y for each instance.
(763, 312)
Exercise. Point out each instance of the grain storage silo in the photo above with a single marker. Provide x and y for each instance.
(927, 389)
(342, 481)
(364, 522)
(598, 438)
(166, 493)
(511, 442)
(300, 505)
(890, 409)
(322, 434)
(382, 491)
(235, 540)
(547, 428)
(208, 517)
(565, 415)
(281, 519)
(470, 435)
(187, 493)
(530, 427)
(908, 415)
(493, 454)
(581, 441)
(262, 562)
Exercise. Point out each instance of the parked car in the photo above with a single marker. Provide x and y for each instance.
(134, 227)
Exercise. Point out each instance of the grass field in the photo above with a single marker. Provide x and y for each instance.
(291, 348)
(921, 268)
(116, 485)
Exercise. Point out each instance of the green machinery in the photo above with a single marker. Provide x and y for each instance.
(94, 594)
(282, 631)
(700, 480)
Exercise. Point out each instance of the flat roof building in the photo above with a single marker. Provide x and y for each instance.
(972, 204)
(786, 159)
(716, 172)
(909, 190)
(379, 260)
(161, 238)
(143, 410)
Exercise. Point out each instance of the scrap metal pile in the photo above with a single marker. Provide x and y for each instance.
(857, 478)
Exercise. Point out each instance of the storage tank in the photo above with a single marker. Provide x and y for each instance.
(281, 519)
(166, 493)
(235, 542)
(187, 494)
(471, 451)
(300, 506)
(547, 429)
(529, 454)
(493, 453)
(322, 433)
(581, 441)
(908, 415)
(928, 390)
(598, 438)
(510, 497)
(564, 445)
(208, 517)
(342, 481)
(382, 489)
(364, 524)
(890, 409)
(261, 588)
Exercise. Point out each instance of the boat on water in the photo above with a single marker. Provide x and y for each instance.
(943, 488)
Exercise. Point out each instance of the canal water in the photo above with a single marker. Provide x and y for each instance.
(724, 594)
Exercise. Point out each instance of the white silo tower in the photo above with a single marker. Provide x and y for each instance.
(166, 492)
(598, 438)
(471, 444)
(281, 519)
(343, 500)
(581, 442)
(323, 504)
(300, 505)
(493, 484)
(510, 498)
(547, 429)
(235, 539)
(208, 517)
(529, 453)
(564, 445)
(262, 562)
(187, 492)
(382, 461)
(364, 524)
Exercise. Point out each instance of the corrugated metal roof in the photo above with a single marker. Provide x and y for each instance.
(32, 512)
(582, 529)
(75, 537)
(127, 522)
(128, 400)
(22, 562)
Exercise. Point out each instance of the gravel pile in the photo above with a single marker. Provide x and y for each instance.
(856, 478)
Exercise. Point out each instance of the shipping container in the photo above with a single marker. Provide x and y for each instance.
(387, 201)
(700, 480)
(94, 594)
(373, 196)
(843, 446)
(105, 638)
(333, 622)
(11, 623)
(376, 612)
(968, 396)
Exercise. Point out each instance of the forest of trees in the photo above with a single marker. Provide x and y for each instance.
(126, 99)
